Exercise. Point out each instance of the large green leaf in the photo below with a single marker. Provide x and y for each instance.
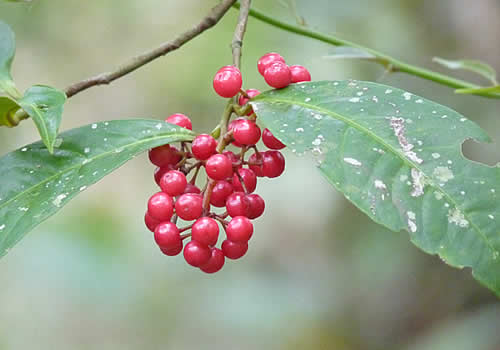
(398, 158)
(8, 108)
(36, 184)
(44, 104)
(7, 52)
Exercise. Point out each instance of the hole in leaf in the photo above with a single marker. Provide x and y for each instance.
(485, 153)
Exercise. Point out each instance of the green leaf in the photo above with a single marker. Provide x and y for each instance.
(8, 108)
(36, 184)
(475, 66)
(347, 52)
(45, 105)
(485, 90)
(7, 52)
(398, 158)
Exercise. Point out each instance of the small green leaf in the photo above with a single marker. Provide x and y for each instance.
(36, 184)
(8, 108)
(475, 66)
(485, 90)
(45, 105)
(347, 52)
(7, 52)
(398, 158)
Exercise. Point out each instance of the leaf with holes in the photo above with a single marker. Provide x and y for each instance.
(475, 66)
(398, 158)
(36, 184)
(8, 108)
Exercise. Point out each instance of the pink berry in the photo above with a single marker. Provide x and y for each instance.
(196, 254)
(190, 188)
(215, 263)
(233, 158)
(206, 231)
(180, 120)
(161, 206)
(203, 146)
(270, 141)
(256, 206)
(268, 59)
(237, 204)
(167, 235)
(219, 167)
(239, 229)
(278, 75)
(164, 155)
(273, 163)
(173, 183)
(220, 192)
(246, 132)
(249, 179)
(227, 81)
(234, 250)
(172, 251)
(254, 165)
(189, 206)
(150, 222)
(231, 126)
(160, 171)
(299, 74)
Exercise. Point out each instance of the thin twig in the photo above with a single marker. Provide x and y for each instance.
(239, 32)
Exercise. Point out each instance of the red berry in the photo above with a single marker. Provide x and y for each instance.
(249, 179)
(246, 132)
(172, 251)
(206, 231)
(270, 141)
(192, 189)
(273, 163)
(243, 100)
(233, 158)
(220, 192)
(253, 160)
(268, 59)
(256, 207)
(219, 167)
(299, 74)
(173, 183)
(160, 171)
(189, 206)
(180, 120)
(239, 229)
(278, 75)
(161, 206)
(196, 254)
(204, 146)
(167, 235)
(237, 204)
(164, 155)
(231, 126)
(234, 250)
(215, 262)
(227, 81)
(150, 222)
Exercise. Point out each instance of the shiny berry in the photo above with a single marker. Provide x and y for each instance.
(243, 100)
(233, 250)
(237, 204)
(246, 132)
(270, 141)
(219, 167)
(172, 251)
(227, 81)
(215, 262)
(299, 74)
(206, 231)
(268, 59)
(167, 235)
(254, 165)
(180, 120)
(192, 189)
(189, 206)
(273, 163)
(278, 75)
(150, 222)
(173, 183)
(233, 158)
(249, 179)
(203, 146)
(161, 206)
(160, 171)
(231, 127)
(220, 192)
(256, 206)
(196, 254)
(239, 229)
(164, 155)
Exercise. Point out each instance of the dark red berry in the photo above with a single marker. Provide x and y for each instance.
(172, 251)
(278, 75)
(231, 127)
(227, 81)
(219, 167)
(234, 250)
(249, 179)
(253, 163)
(189, 206)
(299, 74)
(161, 206)
(243, 100)
(256, 207)
(167, 235)
(246, 132)
(173, 183)
(268, 59)
(237, 204)
(220, 192)
(215, 262)
(160, 171)
(270, 141)
(180, 120)
(164, 155)
(273, 163)
(196, 254)
(203, 146)
(192, 189)
(239, 229)
(150, 222)
(206, 231)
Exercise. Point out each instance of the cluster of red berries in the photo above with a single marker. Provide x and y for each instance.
(232, 178)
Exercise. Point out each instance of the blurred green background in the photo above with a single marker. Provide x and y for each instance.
(319, 274)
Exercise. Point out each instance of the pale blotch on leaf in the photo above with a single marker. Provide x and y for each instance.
(443, 174)
(456, 217)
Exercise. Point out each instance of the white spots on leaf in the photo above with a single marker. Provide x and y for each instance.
(375, 99)
(360, 93)
(159, 126)
(24, 149)
(307, 99)
(398, 126)
(403, 178)
(86, 150)
(352, 161)
(299, 129)
(435, 155)
(57, 201)
(438, 195)
(443, 174)
(23, 209)
(407, 96)
(418, 182)
(492, 190)
(456, 217)
(83, 188)
(316, 142)
(2, 227)
(444, 116)
(354, 99)
(411, 223)
(419, 101)
(434, 112)
(388, 91)
(491, 217)
(94, 126)
(463, 119)
(411, 215)
(379, 184)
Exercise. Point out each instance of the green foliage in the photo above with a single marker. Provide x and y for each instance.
(36, 184)
(7, 52)
(475, 66)
(8, 108)
(398, 158)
